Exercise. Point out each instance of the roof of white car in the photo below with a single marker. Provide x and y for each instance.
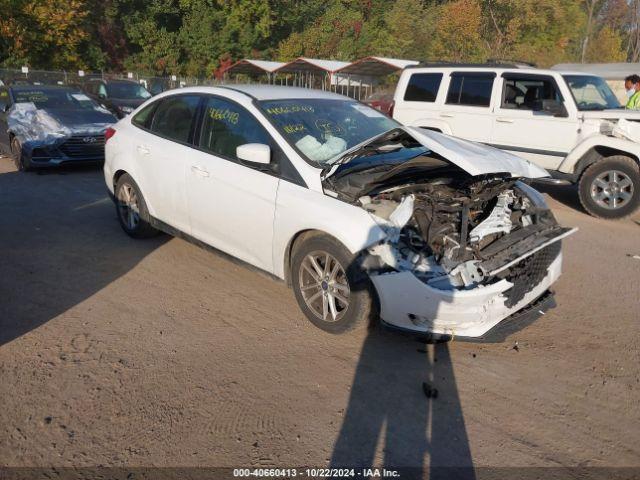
(269, 92)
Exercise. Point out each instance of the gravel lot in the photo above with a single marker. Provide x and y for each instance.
(135, 353)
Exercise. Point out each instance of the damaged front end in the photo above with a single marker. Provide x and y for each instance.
(462, 251)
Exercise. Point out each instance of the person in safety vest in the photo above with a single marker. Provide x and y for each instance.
(632, 86)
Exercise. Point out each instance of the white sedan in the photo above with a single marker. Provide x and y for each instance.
(365, 219)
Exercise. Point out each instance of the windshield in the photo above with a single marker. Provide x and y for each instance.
(591, 93)
(323, 129)
(55, 99)
(127, 91)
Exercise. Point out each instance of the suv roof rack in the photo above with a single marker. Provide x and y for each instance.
(490, 63)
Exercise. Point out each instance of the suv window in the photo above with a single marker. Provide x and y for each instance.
(227, 125)
(527, 92)
(423, 87)
(174, 117)
(470, 88)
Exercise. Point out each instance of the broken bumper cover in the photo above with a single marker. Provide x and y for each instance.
(408, 303)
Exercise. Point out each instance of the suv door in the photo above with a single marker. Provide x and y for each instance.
(231, 202)
(163, 151)
(524, 128)
(467, 107)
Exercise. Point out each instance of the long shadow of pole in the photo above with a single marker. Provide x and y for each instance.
(389, 409)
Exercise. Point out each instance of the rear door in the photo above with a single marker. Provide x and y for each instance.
(467, 108)
(163, 151)
(231, 202)
(522, 127)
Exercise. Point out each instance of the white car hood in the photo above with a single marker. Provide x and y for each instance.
(475, 158)
(613, 114)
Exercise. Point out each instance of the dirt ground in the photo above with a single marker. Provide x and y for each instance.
(136, 353)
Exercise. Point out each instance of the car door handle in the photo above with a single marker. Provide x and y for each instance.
(446, 115)
(142, 150)
(504, 120)
(199, 170)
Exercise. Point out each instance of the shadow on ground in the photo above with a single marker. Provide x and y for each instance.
(565, 194)
(404, 400)
(60, 242)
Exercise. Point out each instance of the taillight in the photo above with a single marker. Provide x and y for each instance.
(393, 104)
(108, 133)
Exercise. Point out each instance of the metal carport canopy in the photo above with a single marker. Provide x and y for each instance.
(376, 66)
(311, 65)
(253, 67)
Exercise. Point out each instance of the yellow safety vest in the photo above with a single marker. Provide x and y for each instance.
(634, 102)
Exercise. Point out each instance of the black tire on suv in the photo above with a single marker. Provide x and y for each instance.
(330, 287)
(610, 188)
(132, 210)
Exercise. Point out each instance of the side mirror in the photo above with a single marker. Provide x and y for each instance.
(555, 108)
(254, 153)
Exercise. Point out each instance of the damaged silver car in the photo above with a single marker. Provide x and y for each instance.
(42, 125)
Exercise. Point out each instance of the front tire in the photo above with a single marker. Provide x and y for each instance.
(132, 210)
(610, 188)
(331, 289)
(18, 157)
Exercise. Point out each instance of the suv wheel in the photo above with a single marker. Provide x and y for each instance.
(132, 209)
(331, 290)
(610, 188)
(18, 158)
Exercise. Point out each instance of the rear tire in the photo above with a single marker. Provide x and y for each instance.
(331, 289)
(610, 188)
(132, 210)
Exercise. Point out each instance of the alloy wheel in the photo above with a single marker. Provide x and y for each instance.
(324, 286)
(612, 189)
(128, 206)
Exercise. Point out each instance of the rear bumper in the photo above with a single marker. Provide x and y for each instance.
(409, 304)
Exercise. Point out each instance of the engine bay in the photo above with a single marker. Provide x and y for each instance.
(452, 230)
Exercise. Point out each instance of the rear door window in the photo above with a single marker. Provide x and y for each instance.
(175, 117)
(423, 87)
(470, 88)
(227, 125)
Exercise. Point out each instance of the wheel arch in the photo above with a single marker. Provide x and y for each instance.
(116, 176)
(599, 152)
(288, 254)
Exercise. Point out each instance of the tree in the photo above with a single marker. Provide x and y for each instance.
(457, 32)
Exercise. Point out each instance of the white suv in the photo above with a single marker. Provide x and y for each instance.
(562, 121)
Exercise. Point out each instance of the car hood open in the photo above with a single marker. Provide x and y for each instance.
(475, 158)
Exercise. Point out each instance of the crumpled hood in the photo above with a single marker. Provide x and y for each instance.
(40, 126)
(475, 158)
(80, 117)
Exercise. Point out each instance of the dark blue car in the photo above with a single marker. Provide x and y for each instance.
(43, 125)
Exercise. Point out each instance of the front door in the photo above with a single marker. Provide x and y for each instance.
(524, 129)
(232, 203)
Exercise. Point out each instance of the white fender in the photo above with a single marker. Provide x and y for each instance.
(568, 165)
